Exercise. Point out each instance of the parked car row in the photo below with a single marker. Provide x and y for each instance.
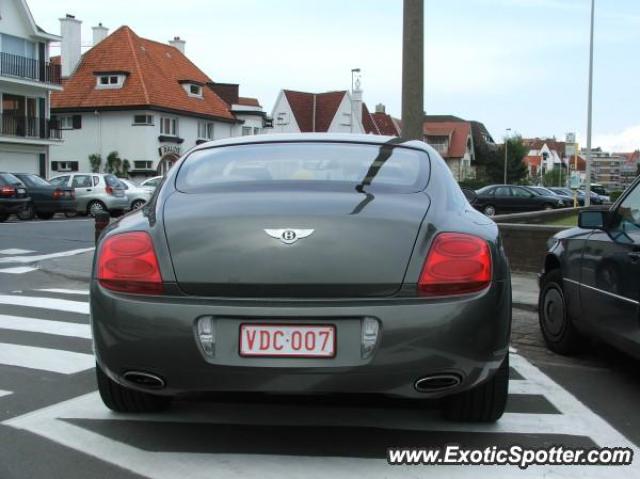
(28, 195)
(497, 199)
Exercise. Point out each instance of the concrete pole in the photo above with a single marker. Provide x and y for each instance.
(587, 188)
(413, 69)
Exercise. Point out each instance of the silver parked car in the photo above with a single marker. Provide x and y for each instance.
(95, 192)
(304, 264)
(137, 195)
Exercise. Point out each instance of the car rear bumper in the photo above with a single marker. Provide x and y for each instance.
(13, 205)
(116, 203)
(467, 337)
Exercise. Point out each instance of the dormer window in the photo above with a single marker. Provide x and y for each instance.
(112, 80)
(193, 88)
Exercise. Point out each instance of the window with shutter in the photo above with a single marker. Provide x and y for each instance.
(77, 122)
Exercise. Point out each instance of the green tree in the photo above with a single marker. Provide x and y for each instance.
(95, 160)
(555, 177)
(126, 166)
(516, 169)
(114, 163)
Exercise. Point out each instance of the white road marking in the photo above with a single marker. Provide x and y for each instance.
(576, 419)
(33, 325)
(42, 257)
(4, 393)
(45, 359)
(47, 303)
(64, 291)
(16, 251)
(18, 270)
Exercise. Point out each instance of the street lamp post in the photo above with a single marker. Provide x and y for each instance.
(587, 187)
(506, 148)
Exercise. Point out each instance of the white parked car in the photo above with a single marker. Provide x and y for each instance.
(151, 183)
(138, 195)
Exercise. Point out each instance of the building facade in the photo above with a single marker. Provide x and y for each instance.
(140, 98)
(335, 111)
(606, 168)
(27, 79)
(452, 137)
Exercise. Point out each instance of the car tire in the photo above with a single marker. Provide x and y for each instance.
(3, 217)
(95, 207)
(45, 215)
(27, 213)
(483, 403)
(137, 204)
(558, 330)
(489, 210)
(121, 399)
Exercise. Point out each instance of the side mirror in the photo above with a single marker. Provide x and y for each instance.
(469, 194)
(592, 220)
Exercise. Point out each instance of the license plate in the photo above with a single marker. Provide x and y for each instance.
(288, 340)
(21, 191)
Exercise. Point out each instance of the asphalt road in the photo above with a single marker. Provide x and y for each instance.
(53, 424)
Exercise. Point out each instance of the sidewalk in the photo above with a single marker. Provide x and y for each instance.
(78, 267)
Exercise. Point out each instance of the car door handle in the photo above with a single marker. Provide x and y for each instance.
(89, 189)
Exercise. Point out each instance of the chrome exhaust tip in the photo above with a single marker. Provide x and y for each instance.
(145, 380)
(437, 382)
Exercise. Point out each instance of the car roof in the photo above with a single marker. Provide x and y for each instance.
(313, 137)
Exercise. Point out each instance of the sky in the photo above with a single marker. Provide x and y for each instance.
(519, 64)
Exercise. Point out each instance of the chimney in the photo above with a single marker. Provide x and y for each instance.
(99, 33)
(70, 48)
(380, 108)
(178, 43)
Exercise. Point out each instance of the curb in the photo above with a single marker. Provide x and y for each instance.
(525, 307)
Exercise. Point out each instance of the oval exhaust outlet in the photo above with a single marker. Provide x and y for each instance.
(145, 380)
(437, 382)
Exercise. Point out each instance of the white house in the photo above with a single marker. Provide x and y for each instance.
(334, 111)
(27, 79)
(142, 98)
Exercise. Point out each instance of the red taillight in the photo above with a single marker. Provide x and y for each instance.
(457, 263)
(57, 194)
(109, 190)
(127, 262)
(7, 191)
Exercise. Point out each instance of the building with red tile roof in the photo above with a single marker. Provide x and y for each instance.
(144, 99)
(452, 138)
(333, 111)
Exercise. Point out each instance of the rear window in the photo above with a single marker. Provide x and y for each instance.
(113, 181)
(307, 165)
(34, 180)
(9, 179)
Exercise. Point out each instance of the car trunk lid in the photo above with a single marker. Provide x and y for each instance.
(223, 244)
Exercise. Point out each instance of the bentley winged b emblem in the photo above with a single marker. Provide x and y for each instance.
(289, 235)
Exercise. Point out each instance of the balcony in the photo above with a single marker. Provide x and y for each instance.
(29, 69)
(29, 127)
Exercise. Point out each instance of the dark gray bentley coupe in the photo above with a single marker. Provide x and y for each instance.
(304, 264)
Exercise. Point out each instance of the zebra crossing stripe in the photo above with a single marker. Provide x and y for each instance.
(4, 393)
(81, 307)
(45, 359)
(42, 257)
(18, 270)
(13, 251)
(46, 326)
(64, 291)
